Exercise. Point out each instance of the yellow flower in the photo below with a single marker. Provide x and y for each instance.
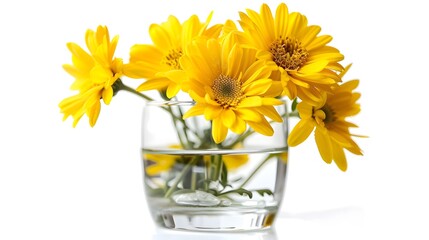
(233, 162)
(159, 163)
(332, 133)
(306, 66)
(159, 63)
(229, 87)
(164, 162)
(94, 72)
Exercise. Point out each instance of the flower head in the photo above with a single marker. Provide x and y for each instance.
(159, 62)
(230, 87)
(94, 72)
(158, 163)
(306, 66)
(332, 133)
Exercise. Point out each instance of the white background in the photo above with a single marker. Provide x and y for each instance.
(59, 182)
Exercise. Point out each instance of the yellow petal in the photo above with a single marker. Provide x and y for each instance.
(107, 95)
(275, 90)
(305, 110)
(219, 131)
(231, 59)
(270, 112)
(345, 70)
(93, 113)
(172, 89)
(314, 67)
(249, 115)
(258, 70)
(340, 139)
(295, 19)
(155, 83)
(318, 42)
(147, 53)
(263, 127)
(191, 29)
(258, 87)
(265, 55)
(82, 58)
(350, 85)
(339, 157)
(141, 70)
(267, 101)
(282, 16)
(331, 56)
(254, 101)
(311, 95)
(324, 145)
(196, 97)
(239, 126)
(267, 18)
(228, 117)
(212, 112)
(310, 35)
(160, 36)
(194, 111)
(235, 161)
(300, 132)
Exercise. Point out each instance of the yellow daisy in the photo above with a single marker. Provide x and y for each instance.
(306, 66)
(94, 72)
(332, 133)
(158, 63)
(163, 162)
(229, 87)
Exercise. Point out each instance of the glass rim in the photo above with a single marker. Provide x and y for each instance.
(170, 103)
(160, 103)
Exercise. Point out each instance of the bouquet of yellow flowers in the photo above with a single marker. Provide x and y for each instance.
(234, 77)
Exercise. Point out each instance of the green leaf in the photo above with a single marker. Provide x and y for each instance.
(243, 192)
(294, 103)
(264, 191)
(224, 175)
(240, 191)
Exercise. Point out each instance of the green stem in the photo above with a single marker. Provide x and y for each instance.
(185, 126)
(181, 176)
(217, 162)
(293, 114)
(256, 170)
(183, 143)
(194, 180)
(122, 86)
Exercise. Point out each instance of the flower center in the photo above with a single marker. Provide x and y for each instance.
(227, 91)
(172, 58)
(324, 116)
(330, 114)
(288, 53)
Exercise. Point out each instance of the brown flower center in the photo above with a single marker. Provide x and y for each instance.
(172, 58)
(288, 53)
(324, 116)
(227, 91)
(329, 114)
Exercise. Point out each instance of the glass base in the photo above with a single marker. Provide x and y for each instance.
(208, 219)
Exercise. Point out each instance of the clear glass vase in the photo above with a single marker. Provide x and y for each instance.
(193, 183)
